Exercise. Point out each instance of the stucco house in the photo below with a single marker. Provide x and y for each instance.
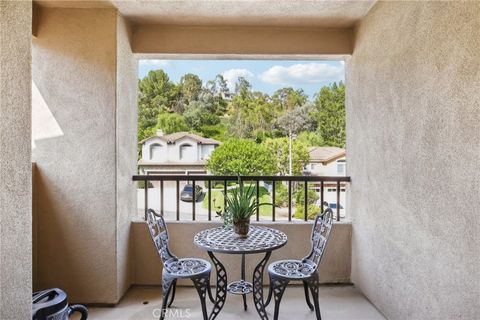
(326, 161)
(176, 153)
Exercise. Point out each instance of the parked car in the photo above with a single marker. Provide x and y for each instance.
(187, 193)
(333, 206)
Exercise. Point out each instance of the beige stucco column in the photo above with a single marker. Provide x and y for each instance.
(15, 163)
(413, 141)
(84, 76)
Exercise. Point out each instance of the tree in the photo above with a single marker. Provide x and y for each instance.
(250, 113)
(157, 91)
(171, 122)
(243, 157)
(218, 89)
(156, 94)
(190, 87)
(216, 131)
(298, 119)
(292, 122)
(242, 87)
(198, 114)
(310, 139)
(330, 103)
(287, 99)
(279, 147)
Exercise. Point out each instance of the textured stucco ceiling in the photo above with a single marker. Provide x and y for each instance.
(288, 13)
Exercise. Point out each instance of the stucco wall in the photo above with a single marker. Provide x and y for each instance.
(413, 141)
(126, 135)
(334, 268)
(15, 166)
(74, 68)
(241, 40)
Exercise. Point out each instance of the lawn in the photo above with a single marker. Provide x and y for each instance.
(217, 199)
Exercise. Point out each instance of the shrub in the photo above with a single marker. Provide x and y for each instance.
(313, 210)
(281, 195)
(299, 195)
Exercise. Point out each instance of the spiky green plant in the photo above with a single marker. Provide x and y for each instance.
(241, 204)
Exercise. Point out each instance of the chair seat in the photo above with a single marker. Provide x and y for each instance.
(292, 269)
(187, 267)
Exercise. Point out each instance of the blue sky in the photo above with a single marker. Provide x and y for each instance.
(264, 75)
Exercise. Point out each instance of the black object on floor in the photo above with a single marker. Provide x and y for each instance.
(52, 304)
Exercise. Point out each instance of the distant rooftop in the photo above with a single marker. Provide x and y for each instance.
(325, 154)
(174, 137)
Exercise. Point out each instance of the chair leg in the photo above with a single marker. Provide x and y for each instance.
(313, 284)
(167, 286)
(269, 297)
(201, 284)
(174, 286)
(210, 295)
(278, 288)
(307, 295)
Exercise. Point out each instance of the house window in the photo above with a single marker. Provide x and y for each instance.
(155, 152)
(341, 166)
(186, 152)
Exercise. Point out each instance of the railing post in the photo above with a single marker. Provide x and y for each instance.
(145, 186)
(306, 200)
(224, 194)
(194, 199)
(338, 200)
(178, 199)
(321, 196)
(161, 197)
(273, 200)
(289, 200)
(258, 199)
(209, 200)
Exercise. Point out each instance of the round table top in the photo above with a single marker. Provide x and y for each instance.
(224, 240)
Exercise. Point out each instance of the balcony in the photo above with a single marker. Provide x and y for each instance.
(409, 240)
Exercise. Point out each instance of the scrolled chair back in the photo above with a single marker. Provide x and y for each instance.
(320, 234)
(159, 233)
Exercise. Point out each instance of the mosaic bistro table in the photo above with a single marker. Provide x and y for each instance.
(223, 240)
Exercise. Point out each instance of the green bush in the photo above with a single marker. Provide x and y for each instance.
(141, 184)
(299, 196)
(281, 195)
(313, 210)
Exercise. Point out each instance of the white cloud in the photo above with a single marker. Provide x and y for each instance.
(231, 76)
(306, 73)
(154, 63)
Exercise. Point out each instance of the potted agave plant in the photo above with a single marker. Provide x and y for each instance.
(240, 206)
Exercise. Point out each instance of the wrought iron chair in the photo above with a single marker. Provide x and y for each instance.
(305, 270)
(198, 270)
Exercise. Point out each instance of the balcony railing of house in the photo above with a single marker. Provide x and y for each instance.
(221, 184)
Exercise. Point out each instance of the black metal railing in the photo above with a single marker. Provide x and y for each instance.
(320, 183)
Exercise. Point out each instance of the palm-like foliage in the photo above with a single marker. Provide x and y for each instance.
(241, 203)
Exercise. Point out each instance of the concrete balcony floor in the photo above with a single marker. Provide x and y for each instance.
(336, 303)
